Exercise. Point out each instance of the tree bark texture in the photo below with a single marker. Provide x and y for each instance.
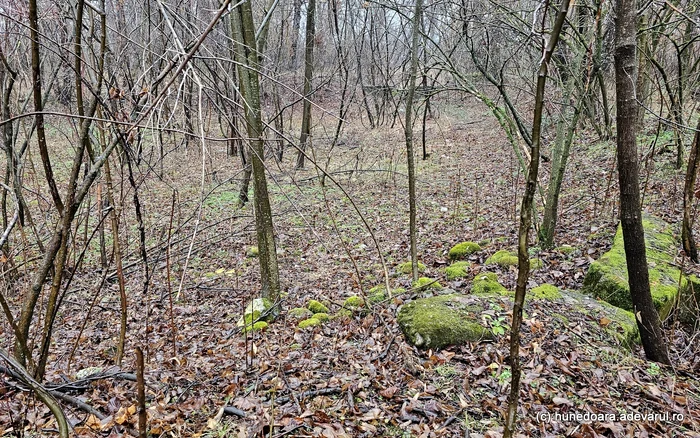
(630, 208)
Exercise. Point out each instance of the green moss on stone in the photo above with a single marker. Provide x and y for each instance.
(424, 283)
(545, 292)
(463, 250)
(566, 249)
(377, 294)
(299, 313)
(255, 311)
(505, 258)
(316, 307)
(406, 268)
(344, 313)
(486, 282)
(323, 317)
(457, 270)
(443, 320)
(354, 302)
(607, 278)
(311, 322)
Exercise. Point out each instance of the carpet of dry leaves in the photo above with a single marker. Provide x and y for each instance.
(357, 377)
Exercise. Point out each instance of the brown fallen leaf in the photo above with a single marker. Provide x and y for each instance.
(388, 392)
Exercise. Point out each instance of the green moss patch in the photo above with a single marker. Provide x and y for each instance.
(377, 294)
(505, 258)
(252, 251)
(257, 327)
(311, 322)
(354, 302)
(323, 317)
(486, 282)
(258, 309)
(457, 270)
(545, 292)
(607, 278)
(406, 268)
(299, 313)
(317, 307)
(425, 283)
(437, 322)
(463, 250)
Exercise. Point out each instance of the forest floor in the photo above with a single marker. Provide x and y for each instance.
(357, 377)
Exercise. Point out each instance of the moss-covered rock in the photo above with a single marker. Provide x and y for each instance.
(425, 283)
(311, 322)
(615, 322)
(689, 302)
(317, 307)
(457, 270)
(545, 292)
(486, 282)
(299, 313)
(377, 294)
(607, 278)
(354, 302)
(437, 322)
(259, 309)
(505, 258)
(463, 250)
(344, 313)
(566, 249)
(323, 317)
(257, 327)
(407, 268)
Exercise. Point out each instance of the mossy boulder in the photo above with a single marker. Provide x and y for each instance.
(407, 268)
(323, 317)
(310, 322)
(257, 327)
(689, 302)
(437, 322)
(457, 270)
(425, 283)
(505, 258)
(545, 292)
(607, 278)
(463, 250)
(317, 307)
(377, 294)
(486, 282)
(259, 309)
(354, 302)
(615, 322)
(299, 313)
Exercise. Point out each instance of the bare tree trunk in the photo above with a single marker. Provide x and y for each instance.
(526, 222)
(691, 175)
(248, 70)
(630, 209)
(308, 77)
(39, 106)
(408, 133)
(296, 21)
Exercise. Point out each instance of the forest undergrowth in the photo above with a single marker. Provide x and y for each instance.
(355, 376)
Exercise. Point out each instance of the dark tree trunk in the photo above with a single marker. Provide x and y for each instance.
(630, 208)
(308, 77)
(691, 175)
